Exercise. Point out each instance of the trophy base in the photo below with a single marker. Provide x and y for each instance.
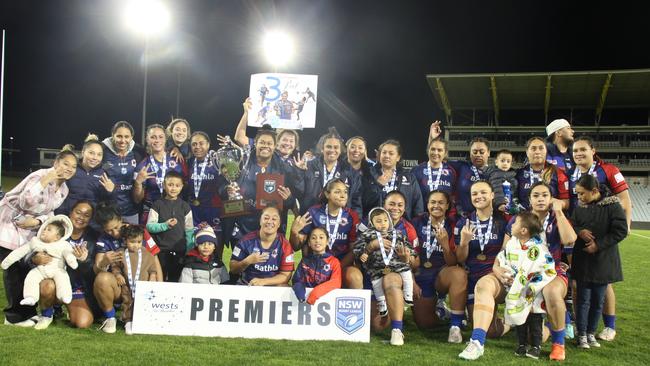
(234, 208)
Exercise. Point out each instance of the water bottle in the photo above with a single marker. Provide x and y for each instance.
(507, 194)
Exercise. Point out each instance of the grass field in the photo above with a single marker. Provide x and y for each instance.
(60, 344)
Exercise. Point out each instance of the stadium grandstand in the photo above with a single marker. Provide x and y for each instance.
(613, 107)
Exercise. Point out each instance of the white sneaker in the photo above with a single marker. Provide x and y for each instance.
(396, 337)
(607, 334)
(28, 301)
(128, 328)
(109, 325)
(43, 322)
(591, 339)
(24, 324)
(473, 351)
(582, 342)
(455, 335)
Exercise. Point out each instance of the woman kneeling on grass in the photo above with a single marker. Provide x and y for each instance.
(264, 257)
(106, 288)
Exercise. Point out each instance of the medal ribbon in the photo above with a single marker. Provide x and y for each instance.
(336, 225)
(137, 270)
(483, 238)
(162, 168)
(433, 185)
(386, 258)
(198, 179)
(328, 177)
(391, 185)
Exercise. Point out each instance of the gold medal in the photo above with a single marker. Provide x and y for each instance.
(196, 202)
(387, 270)
(428, 264)
(481, 256)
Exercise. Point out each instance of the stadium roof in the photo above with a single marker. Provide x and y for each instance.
(542, 91)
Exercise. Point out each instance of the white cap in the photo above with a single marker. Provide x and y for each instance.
(556, 125)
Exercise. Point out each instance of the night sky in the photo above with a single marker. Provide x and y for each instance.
(72, 67)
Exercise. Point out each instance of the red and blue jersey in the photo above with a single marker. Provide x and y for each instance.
(559, 184)
(106, 243)
(321, 272)
(564, 161)
(437, 259)
(479, 268)
(467, 174)
(606, 174)
(445, 177)
(280, 256)
(153, 186)
(346, 233)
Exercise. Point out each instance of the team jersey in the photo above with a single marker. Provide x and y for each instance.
(204, 179)
(441, 179)
(121, 170)
(321, 272)
(551, 237)
(106, 243)
(280, 256)
(422, 228)
(346, 233)
(153, 186)
(605, 173)
(479, 268)
(564, 161)
(285, 108)
(84, 185)
(526, 177)
(467, 174)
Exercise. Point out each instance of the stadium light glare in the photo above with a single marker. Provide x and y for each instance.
(147, 17)
(278, 48)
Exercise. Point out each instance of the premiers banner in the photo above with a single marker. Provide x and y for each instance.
(249, 312)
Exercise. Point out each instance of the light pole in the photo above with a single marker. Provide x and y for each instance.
(147, 18)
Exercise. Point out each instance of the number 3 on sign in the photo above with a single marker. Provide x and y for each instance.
(274, 87)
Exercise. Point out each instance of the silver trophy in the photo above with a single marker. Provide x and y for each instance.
(229, 159)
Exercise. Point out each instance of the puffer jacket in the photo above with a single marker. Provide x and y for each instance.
(203, 270)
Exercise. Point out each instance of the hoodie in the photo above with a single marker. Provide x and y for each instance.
(320, 271)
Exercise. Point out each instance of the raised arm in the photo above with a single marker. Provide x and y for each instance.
(240, 132)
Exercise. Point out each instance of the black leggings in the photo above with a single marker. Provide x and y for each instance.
(14, 277)
(171, 265)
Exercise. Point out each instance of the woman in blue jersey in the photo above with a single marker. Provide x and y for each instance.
(83, 308)
(329, 165)
(479, 238)
(336, 217)
(439, 273)
(106, 289)
(90, 181)
(435, 174)
(264, 257)
(121, 156)
(148, 184)
(388, 176)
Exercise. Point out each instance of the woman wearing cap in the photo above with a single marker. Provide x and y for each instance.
(608, 175)
(121, 156)
(203, 264)
(558, 145)
(90, 181)
(386, 177)
(178, 132)
(329, 165)
(538, 169)
(148, 183)
(22, 210)
(438, 273)
(264, 257)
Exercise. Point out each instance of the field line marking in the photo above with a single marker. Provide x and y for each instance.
(643, 236)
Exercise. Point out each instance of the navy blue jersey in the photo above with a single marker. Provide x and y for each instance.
(121, 170)
(441, 179)
(479, 268)
(563, 161)
(606, 174)
(527, 177)
(315, 178)
(467, 175)
(84, 185)
(153, 187)
(346, 233)
(280, 256)
(437, 259)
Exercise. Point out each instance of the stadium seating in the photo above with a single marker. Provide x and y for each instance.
(639, 143)
(640, 196)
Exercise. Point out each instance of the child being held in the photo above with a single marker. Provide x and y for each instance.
(527, 258)
(384, 250)
(202, 264)
(319, 269)
(51, 239)
(500, 173)
(137, 264)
